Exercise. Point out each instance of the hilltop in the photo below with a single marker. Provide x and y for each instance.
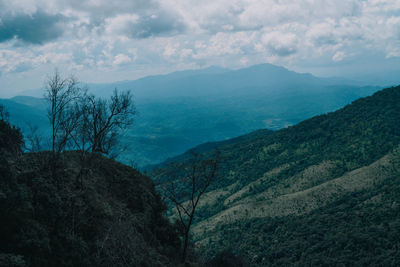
(83, 210)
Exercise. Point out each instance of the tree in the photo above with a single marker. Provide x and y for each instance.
(11, 139)
(33, 139)
(183, 185)
(104, 120)
(62, 95)
(4, 115)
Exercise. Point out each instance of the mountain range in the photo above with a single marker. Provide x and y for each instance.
(184, 109)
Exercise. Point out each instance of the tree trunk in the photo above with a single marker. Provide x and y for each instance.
(185, 245)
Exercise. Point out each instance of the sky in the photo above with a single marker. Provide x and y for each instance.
(104, 41)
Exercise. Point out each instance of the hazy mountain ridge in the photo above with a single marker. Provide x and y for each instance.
(210, 147)
(38, 103)
(217, 81)
(180, 110)
(309, 170)
(23, 114)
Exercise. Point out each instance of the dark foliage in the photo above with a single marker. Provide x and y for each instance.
(227, 259)
(10, 139)
(92, 212)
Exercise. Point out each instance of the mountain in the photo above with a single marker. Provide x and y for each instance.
(26, 111)
(78, 210)
(33, 102)
(181, 110)
(322, 192)
(156, 86)
(210, 147)
(218, 82)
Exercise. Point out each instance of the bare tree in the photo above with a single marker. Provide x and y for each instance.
(33, 139)
(104, 120)
(183, 185)
(62, 94)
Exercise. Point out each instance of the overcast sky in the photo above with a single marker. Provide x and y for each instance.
(103, 41)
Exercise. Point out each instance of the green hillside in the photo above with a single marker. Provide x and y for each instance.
(276, 192)
(352, 224)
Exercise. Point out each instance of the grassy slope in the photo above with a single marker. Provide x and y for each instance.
(297, 198)
(353, 220)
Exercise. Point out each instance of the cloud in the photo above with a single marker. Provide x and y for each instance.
(37, 28)
(280, 43)
(144, 37)
(136, 19)
(339, 56)
(101, 9)
(22, 67)
(156, 25)
(393, 50)
(121, 59)
(144, 26)
(323, 33)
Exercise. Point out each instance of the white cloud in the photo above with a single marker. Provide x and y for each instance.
(339, 56)
(120, 23)
(171, 49)
(280, 43)
(156, 35)
(121, 59)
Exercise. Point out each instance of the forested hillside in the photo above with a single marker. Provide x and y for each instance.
(321, 192)
(78, 210)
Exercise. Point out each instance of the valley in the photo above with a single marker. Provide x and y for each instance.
(184, 109)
